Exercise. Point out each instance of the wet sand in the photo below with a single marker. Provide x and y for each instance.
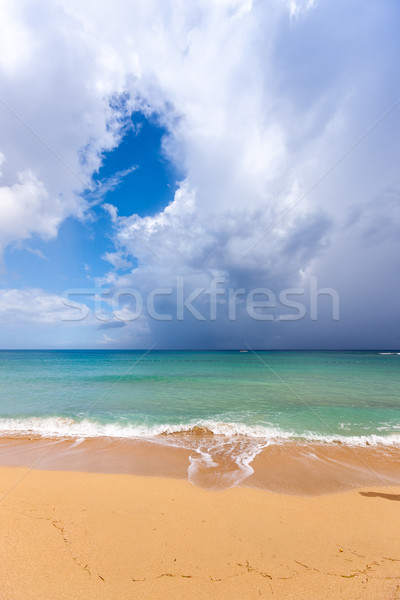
(289, 468)
(98, 536)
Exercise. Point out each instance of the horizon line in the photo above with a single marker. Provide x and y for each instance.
(239, 349)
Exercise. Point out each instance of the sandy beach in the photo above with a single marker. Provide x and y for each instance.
(89, 535)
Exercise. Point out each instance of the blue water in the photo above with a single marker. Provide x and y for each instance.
(352, 396)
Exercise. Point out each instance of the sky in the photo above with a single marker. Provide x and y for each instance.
(214, 174)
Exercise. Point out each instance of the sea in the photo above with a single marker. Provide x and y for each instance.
(255, 398)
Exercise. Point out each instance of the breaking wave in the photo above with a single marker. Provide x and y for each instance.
(63, 427)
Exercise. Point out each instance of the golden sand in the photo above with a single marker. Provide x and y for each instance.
(71, 535)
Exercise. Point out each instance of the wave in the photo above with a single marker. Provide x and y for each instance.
(63, 427)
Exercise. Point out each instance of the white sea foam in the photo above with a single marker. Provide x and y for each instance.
(62, 427)
(230, 458)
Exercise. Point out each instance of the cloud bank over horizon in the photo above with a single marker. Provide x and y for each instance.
(280, 120)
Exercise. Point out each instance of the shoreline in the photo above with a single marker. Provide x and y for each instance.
(302, 469)
(90, 535)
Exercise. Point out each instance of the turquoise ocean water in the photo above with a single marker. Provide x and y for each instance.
(351, 396)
